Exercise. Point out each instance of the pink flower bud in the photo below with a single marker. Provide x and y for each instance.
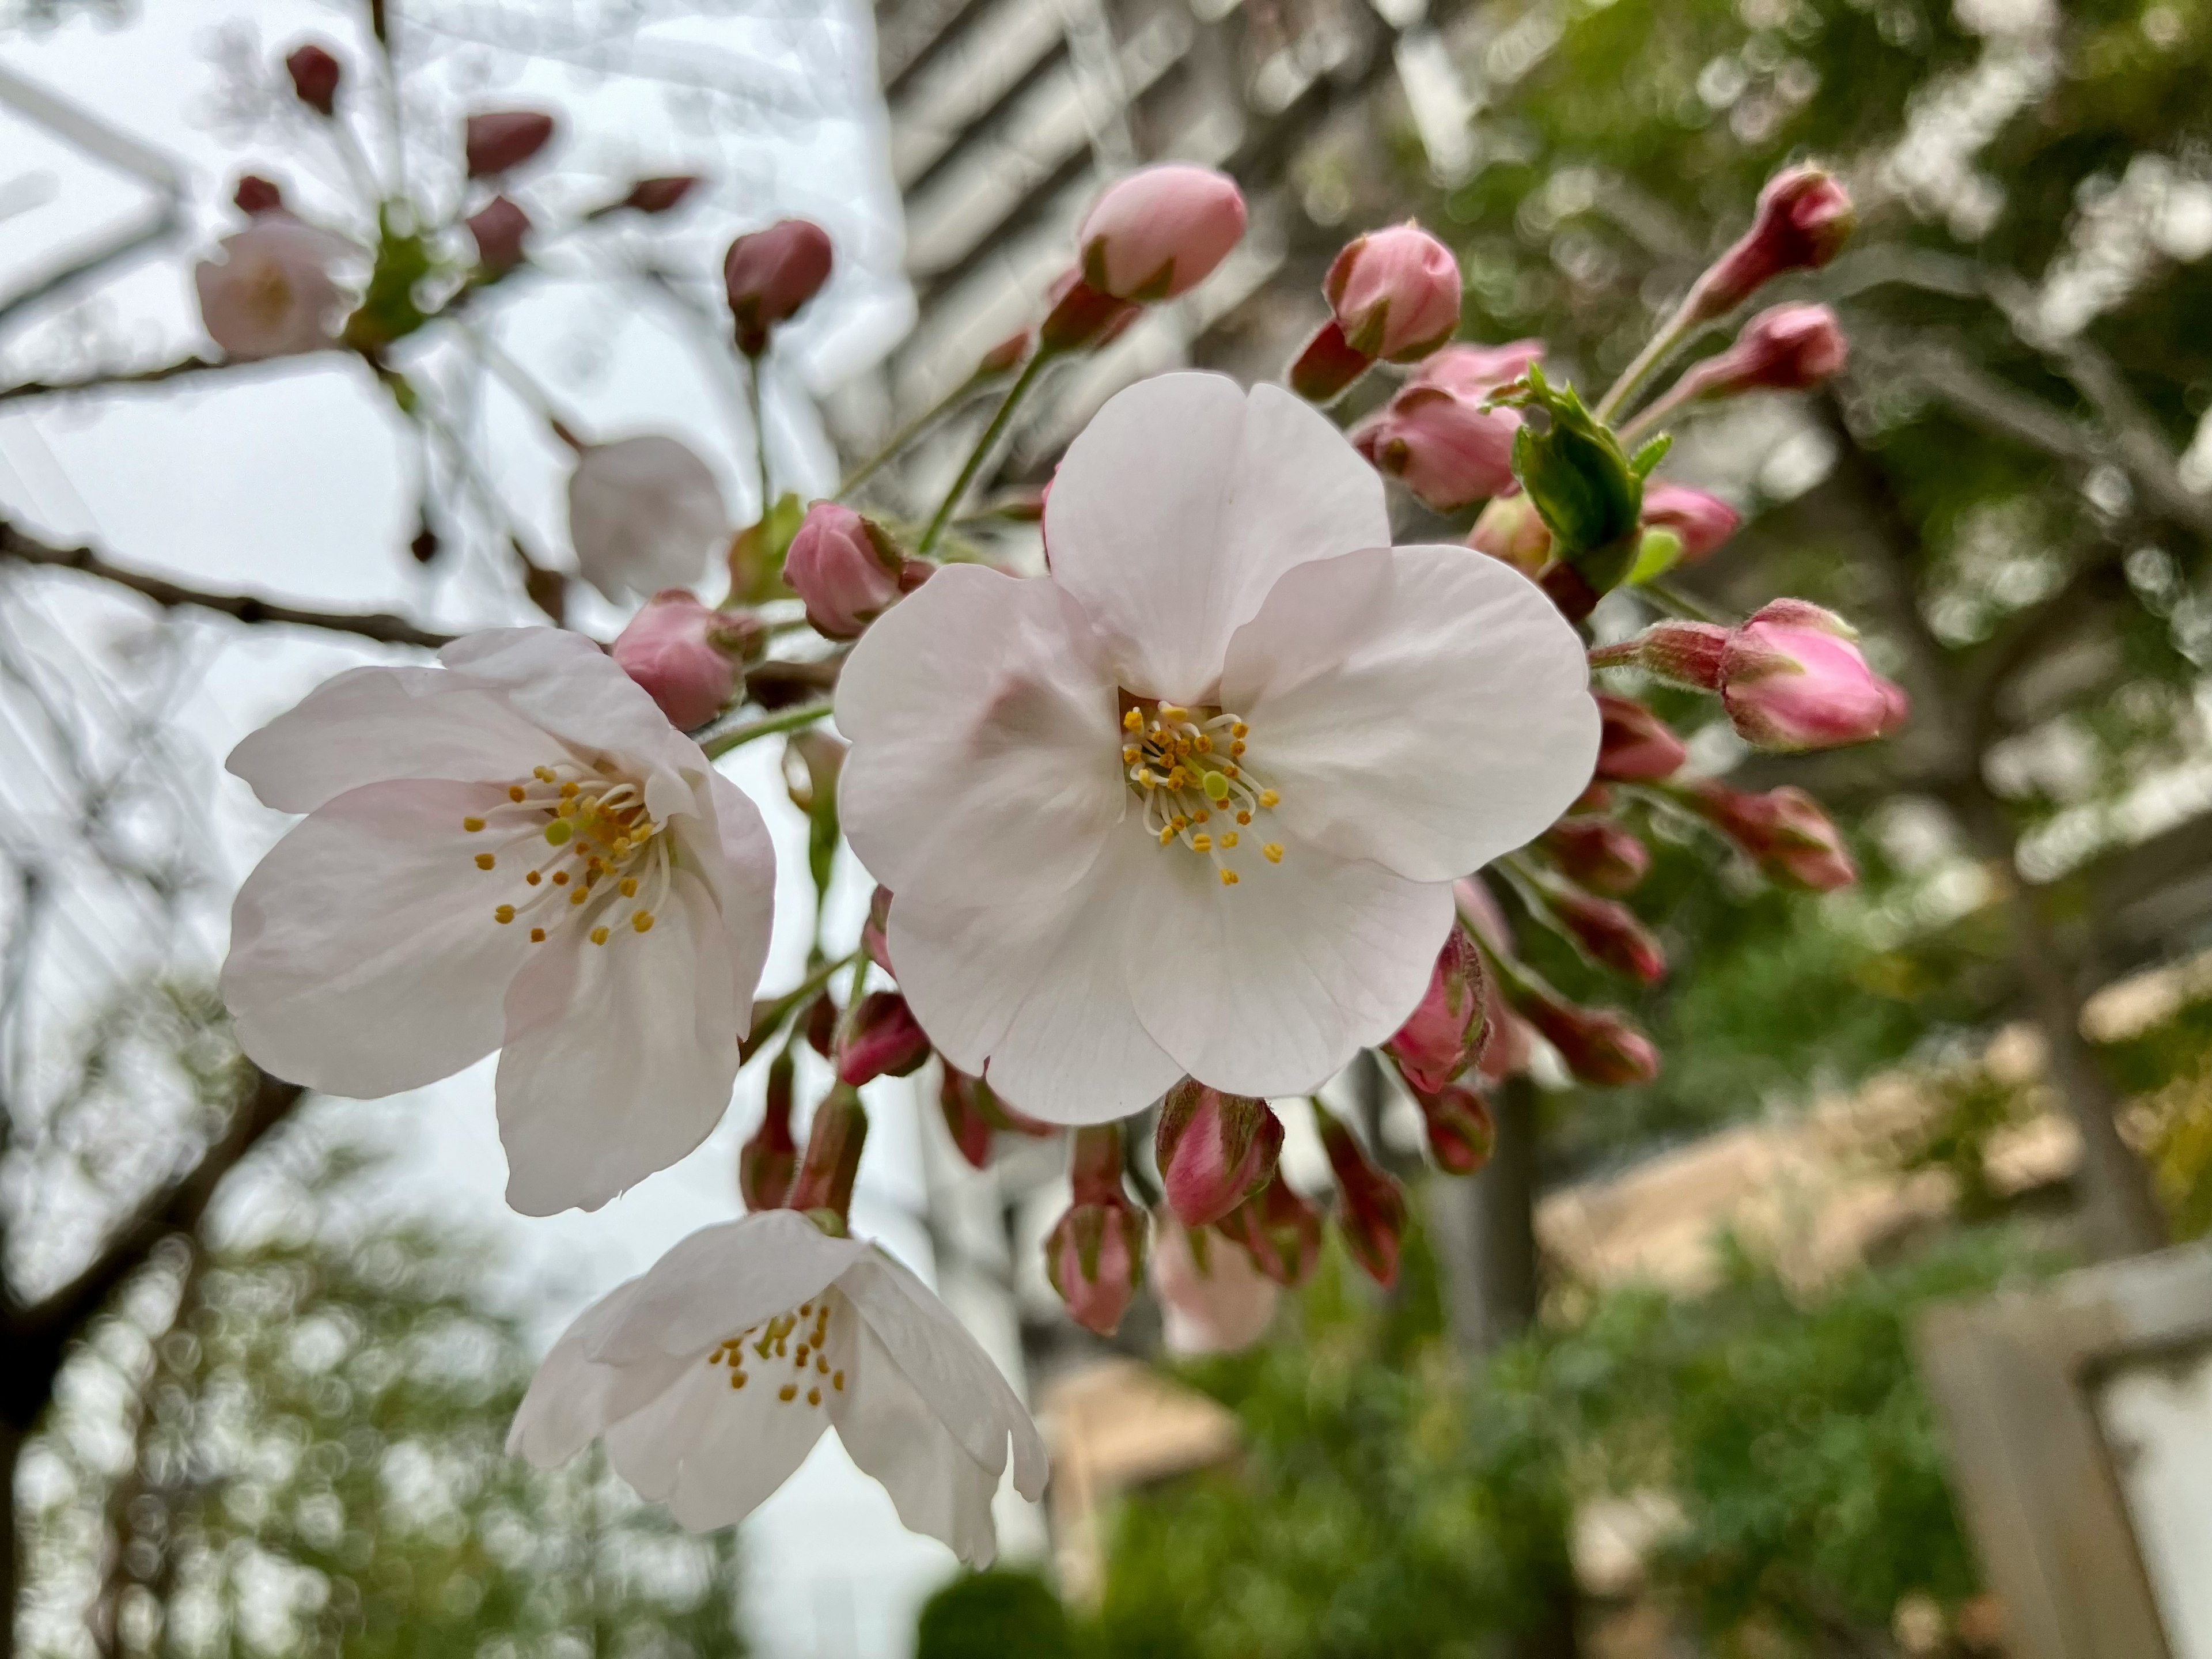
(876, 931)
(315, 77)
(1804, 216)
(1444, 447)
(1510, 529)
(1327, 364)
(1783, 831)
(499, 228)
(1783, 349)
(1213, 1299)
(503, 139)
(1080, 318)
(973, 1113)
(846, 569)
(1095, 1255)
(821, 1026)
(1160, 232)
(271, 295)
(1279, 1230)
(256, 196)
(1214, 1151)
(662, 194)
(1597, 853)
(879, 1037)
(1445, 1031)
(683, 653)
(1460, 1133)
(769, 274)
(1371, 1211)
(1634, 744)
(834, 1141)
(1607, 933)
(1701, 522)
(1792, 679)
(1599, 1045)
(769, 1158)
(1685, 654)
(1395, 293)
(1476, 371)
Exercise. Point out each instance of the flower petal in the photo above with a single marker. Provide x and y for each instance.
(987, 759)
(1415, 706)
(721, 1280)
(1180, 505)
(740, 872)
(619, 1057)
(1270, 987)
(572, 1400)
(364, 958)
(732, 1447)
(938, 1489)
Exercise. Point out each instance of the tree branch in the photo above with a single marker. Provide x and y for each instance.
(124, 377)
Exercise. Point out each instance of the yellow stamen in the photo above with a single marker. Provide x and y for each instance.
(837, 1381)
(1133, 721)
(1243, 817)
(1167, 834)
(598, 936)
(1237, 748)
(1238, 729)
(1228, 838)
(1272, 852)
(629, 886)
(1201, 843)
(579, 895)
(642, 920)
(788, 1391)
(1268, 798)
(484, 860)
(543, 773)
(814, 1397)
(534, 878)
(737, 1379)
(559, 878)
(504, 914)
(515, 791)
(567, 790)
(1228, 878)
(538, 936)
(472, 824)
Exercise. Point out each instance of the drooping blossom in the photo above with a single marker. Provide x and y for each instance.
(879, 1037)
(1277, 1230)
(1608, 932)
(1213, 1299)
(660, 194)
(684, 654)
(1599, 1045)
(710, 1377)
(1598, 852)
(1192, 804)
(1782, 349)
(1461, 1131)
(1444, 1032)
(513, 851)
(1782, 830)
(273, 292)
(1160, 232)
(644, 514)
(770, 1158)
(973, 1113)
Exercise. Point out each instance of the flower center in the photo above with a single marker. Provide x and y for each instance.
(787, 1342)
(591, 855)
(1187, 767)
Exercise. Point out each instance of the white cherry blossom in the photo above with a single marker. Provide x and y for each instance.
(1193, 802)
(644, 514)
(272, 294)
(711, 1376)
(515, 851)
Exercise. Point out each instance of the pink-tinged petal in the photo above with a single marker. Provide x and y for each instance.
(1224, 1306)
(364, 958)
(1422, 707)
(1032, 994)
(619, 1057)
(1182, 503)
(938, 1490)
(372, 724)
(721, 1280)
(1268, 988)
(573, 1399)
(732, 1447)
(743, 881)
(987, 752)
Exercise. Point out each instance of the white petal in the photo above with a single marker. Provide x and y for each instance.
(1270, 987)
(1034, 993)
(619, 1057)
(572, 1400)
(733, 1447)
(948, 1369)
(644, 514)
(364, 958)
(739, 866)
(721, 1280)
(1180, 506)
(1423, 707)
(986, 752)
(369, 725)
(938, 1489)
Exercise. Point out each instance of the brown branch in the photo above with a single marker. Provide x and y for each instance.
(101, 382)
(376, 625)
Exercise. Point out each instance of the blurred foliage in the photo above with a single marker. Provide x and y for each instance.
(995, 1614)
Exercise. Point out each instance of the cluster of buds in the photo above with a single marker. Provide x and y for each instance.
(1095, 1254)
(1441, 435)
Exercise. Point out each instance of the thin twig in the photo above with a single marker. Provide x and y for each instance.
(124, 377)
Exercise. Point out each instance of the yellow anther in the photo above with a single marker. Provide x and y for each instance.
(534, 878)
(1167, 835)
(737, 1379)
(567, 809)
(1228, 878)
(814, 1397)
(538, 936)
(1217, 787)
(1133, 721)
(1178, 778)
(567, 790)
(1201, 843)
(642, 920)
(1228, 838)
(1169, 712)
(484, 860)
(1238, 729)
(1237, 748)
(1179, 823)
(504, 914)
(1203, 815)
(472, 824)
(1272, 852)
(1243, 817)
(557, 832)
(1131, 754)
(800, 1359)
(598, 936)
(1268, 798)
(837, 1381)
(822, 1363)
(559, 878)
(1204, 744)
(1229, 770)
(788, 1391)
(629, 886)
(579, 895)
(543, 773)
(515, 791)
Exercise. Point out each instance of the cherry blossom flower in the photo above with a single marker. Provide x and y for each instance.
(513, 851)
(1213, 1299)
(1192, 802)
(644, 514)
(271, 294)
(711, 1376)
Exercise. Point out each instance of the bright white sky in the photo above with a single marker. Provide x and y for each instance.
(296, 481)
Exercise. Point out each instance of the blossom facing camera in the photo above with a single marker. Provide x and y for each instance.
(1214, 1151)
(1213, 1299)
(1783, 349)
(1095, 1254)
(514, 851)
(684, 654)
(1445, 1032)
(1370, 1208)
(1191, 804)
(1395, 293)
(1598, 853)
(879, 1037)
(500, 140)
(769, 274)
(1634, 744)
(1804, 217)
(1792, 678)
(500, 227)
(1160, 232)
(1783, 831)
(846, 569)
(315, 75)
(1702, 522)
(710, 1377)
(271, 292)
(644, 514)
(1460, 1133)
(1445, 446)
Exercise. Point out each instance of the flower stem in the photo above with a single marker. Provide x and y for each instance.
(736, 736)
(758, 405)
(896, 444)
(1656, 350)
(984, 446)
(768, 1020)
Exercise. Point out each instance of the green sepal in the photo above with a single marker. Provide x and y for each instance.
(1588, 493)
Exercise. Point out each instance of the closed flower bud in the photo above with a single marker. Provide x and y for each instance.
(1213, 1299)
(1327, 364)
(879, 1036)
(662, 194)
(1684, 653)
(1791, 678)
(1095, 1254)
(1804, 217)
(256, 196)
(875, 933)
(1160, 232)
(846, 569)
(768, 1161)
(1783, 831)
(1371, 1209)
(682, 653)
(1395, 293)
(1607, 932)
(834, 1141)
(1476, 371)
(1214, 1151)
(315, 75)
(1280, 1230)
(1080, 318)
(1445, 1032)
(973, 1113)
(1634, 744)
(1460, 1133)
(821, 1026)
(1701, 522)
(1783, 349)
(1598, 853)
(503, 139)
(1443, 445)
(499, 228)
(769, 274)
(1512, 530)
(1599, 1045)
